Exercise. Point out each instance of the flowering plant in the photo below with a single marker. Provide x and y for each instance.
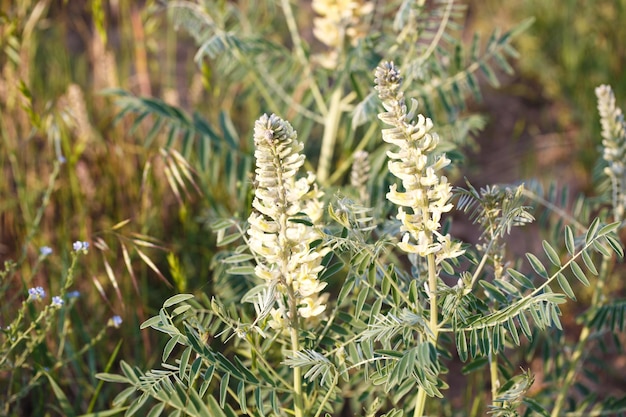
(385, 332)
(321, 304)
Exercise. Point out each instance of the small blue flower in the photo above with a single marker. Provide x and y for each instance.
(73, 294)
(62, 159)
(57, 301)
(115, 321)
(45, 250)
(78, 246)
(36, 294)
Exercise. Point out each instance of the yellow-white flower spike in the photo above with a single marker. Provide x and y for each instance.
(614, 144)
(281, 244)
(426, 193)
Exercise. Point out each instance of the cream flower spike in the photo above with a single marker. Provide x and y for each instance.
(614, 143)
(283, 246)
(426, 194)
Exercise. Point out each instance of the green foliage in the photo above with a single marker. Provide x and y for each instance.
(421, 39)
(389, 332)
(145, 180)
(36, 343)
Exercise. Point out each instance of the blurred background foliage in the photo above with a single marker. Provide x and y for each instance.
(145, 209)
(572, 47)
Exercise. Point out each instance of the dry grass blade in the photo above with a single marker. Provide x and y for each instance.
(121, 224)
(146, 244)
(172, 183)
(101, 244)
(152, 266)
(113, 280)
(185, 168)
(146, 241)
(100, 289)
(174, 169)
(129, 267)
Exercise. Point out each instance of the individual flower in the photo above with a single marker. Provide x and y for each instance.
(45, 251)
(277, 319)
(614, 143)
(57, 301)
(80, 246)
(283, 244)
(426, 194)
(312, 306)
(73, 294)
(36, 294)
(115, 321)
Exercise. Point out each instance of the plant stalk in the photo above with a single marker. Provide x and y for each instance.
(493, 371)
(432, 288)
(298, 401)
(331, 126)
(420, 401)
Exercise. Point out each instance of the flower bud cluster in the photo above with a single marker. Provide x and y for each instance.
(282, 243)
(360, 174)
(426, 194)
(614, 143)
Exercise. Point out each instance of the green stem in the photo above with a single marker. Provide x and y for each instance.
(69, 280)
(432, 288)
(298, 401)
(297, 377)
(45, 201)
(420, 401)
(493, 371)
(576, 359)
(331, 126)
(327, 396)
